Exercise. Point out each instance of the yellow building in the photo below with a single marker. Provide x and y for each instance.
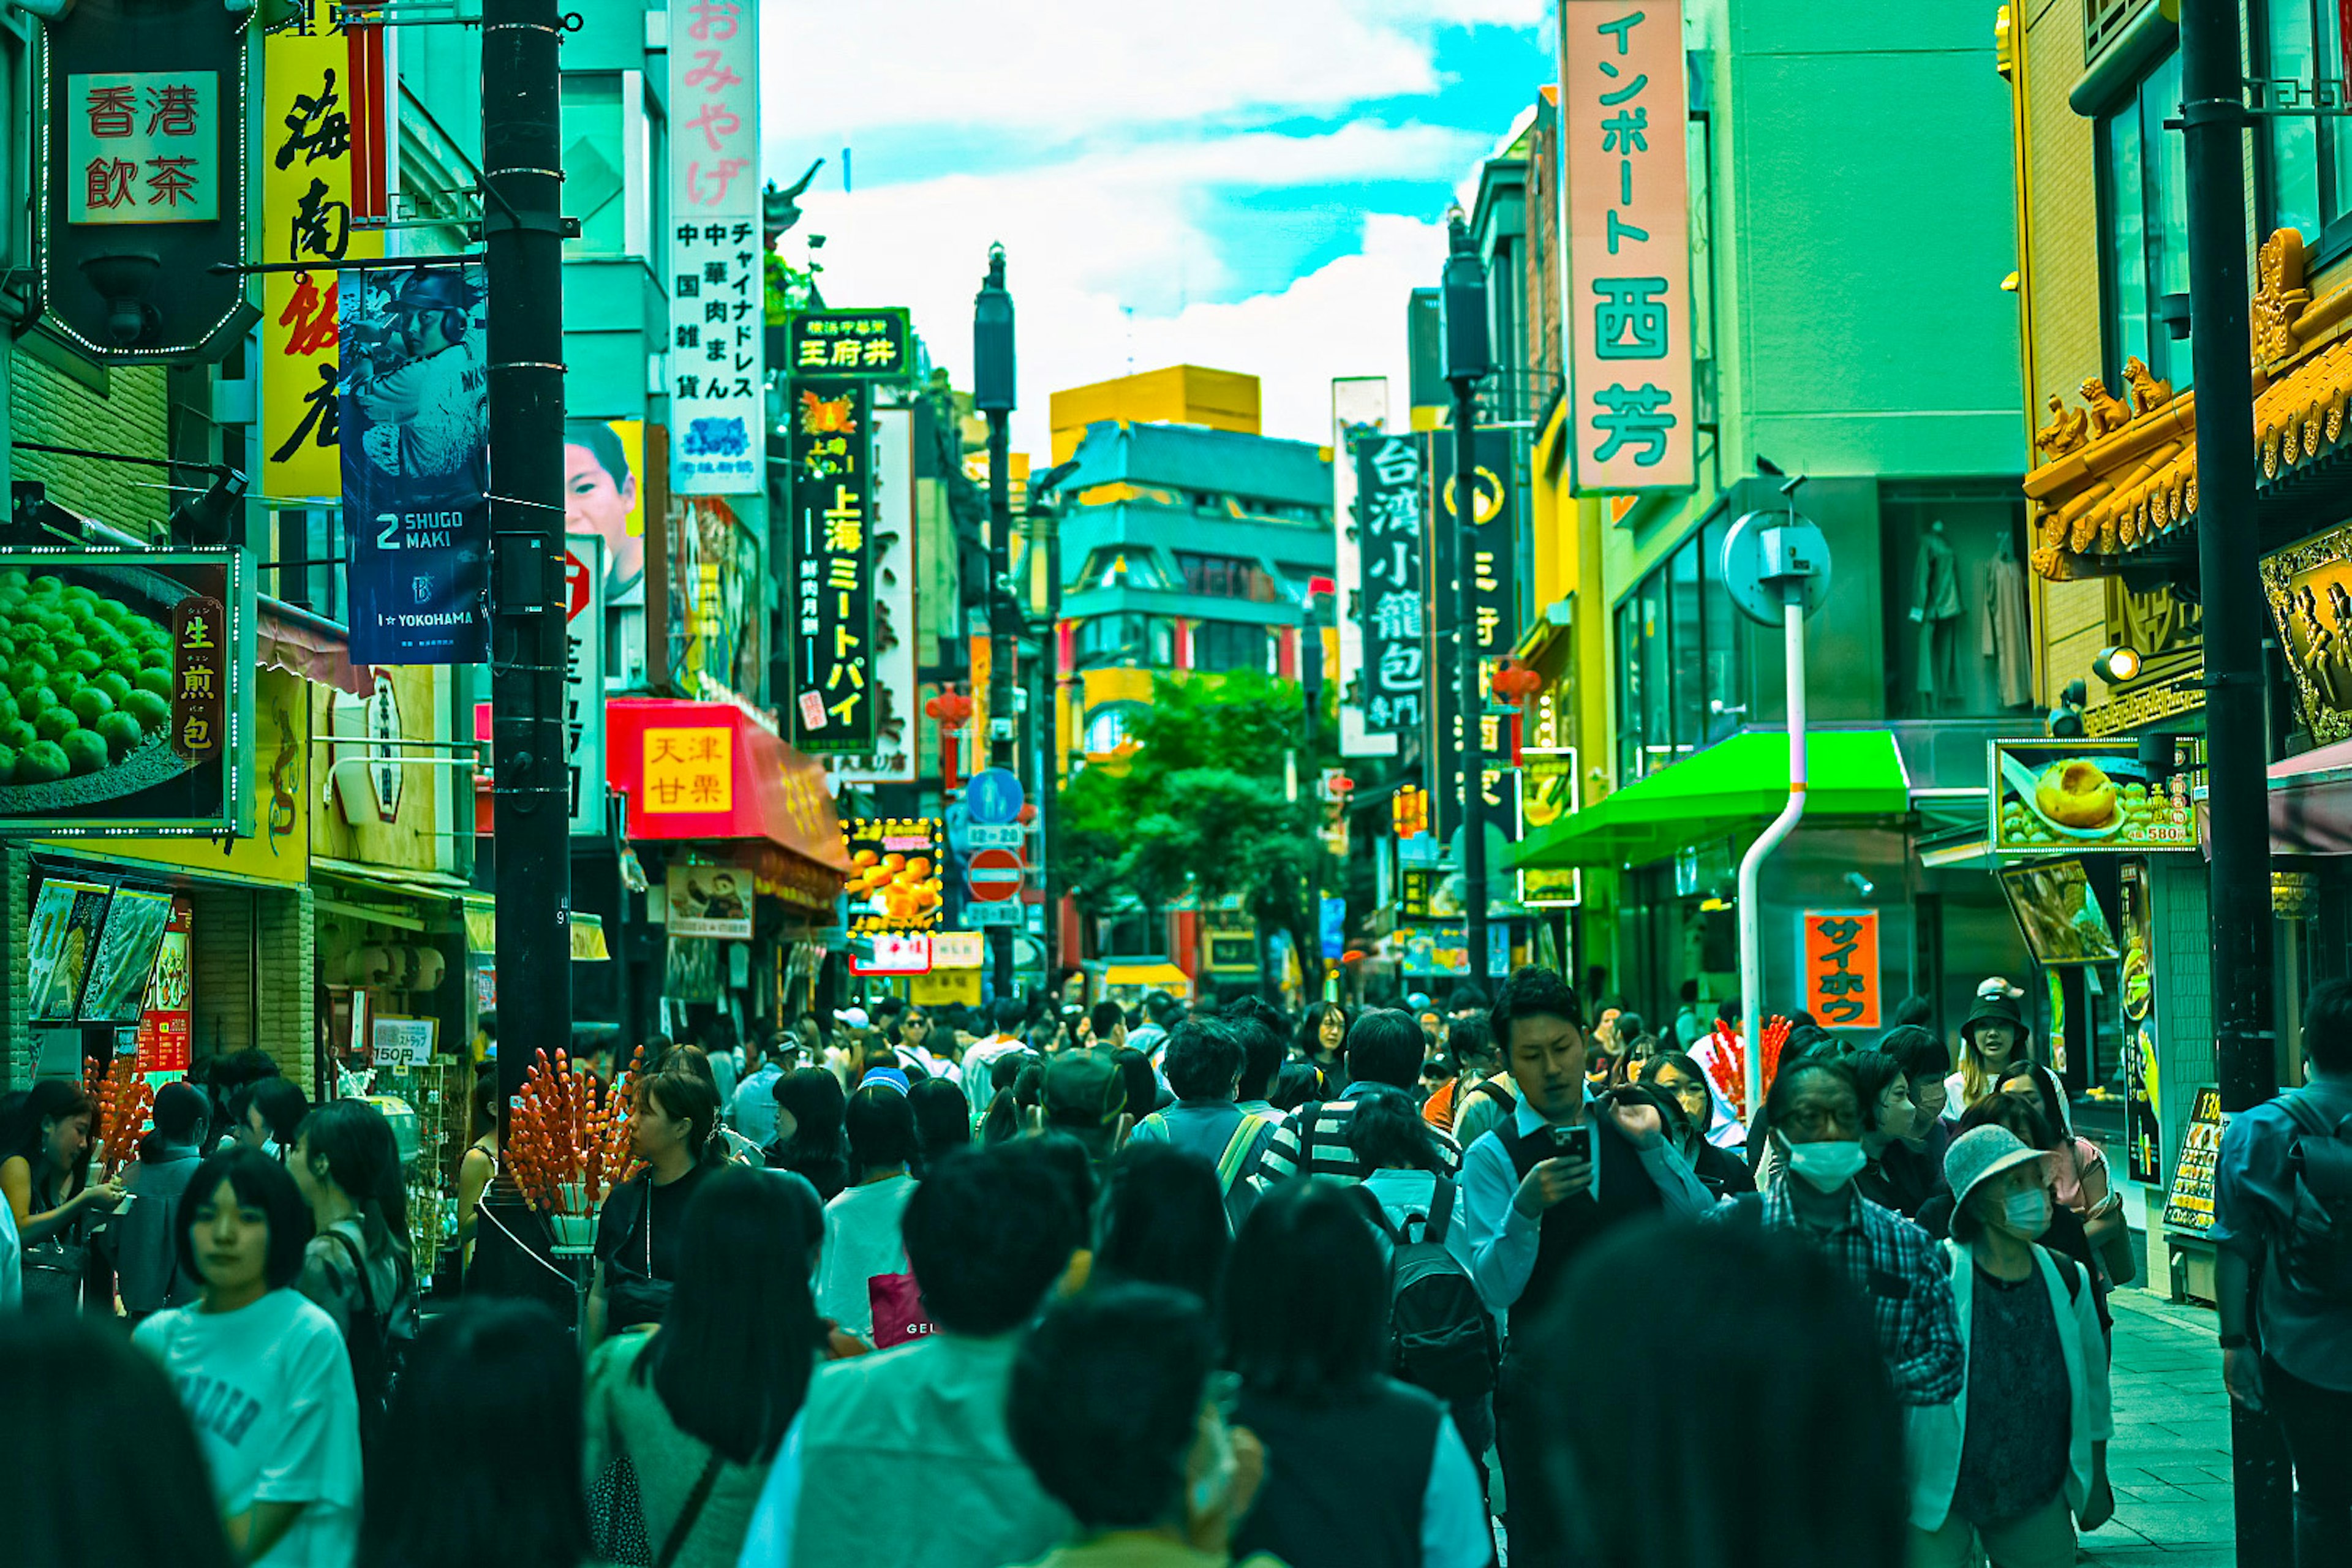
(1176, 395)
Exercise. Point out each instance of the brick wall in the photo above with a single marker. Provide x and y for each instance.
(1542, 290)
(2184, 990)
(250, 965)
(48, 404)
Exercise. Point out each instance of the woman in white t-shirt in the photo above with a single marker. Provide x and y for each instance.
(861, 1225)
(261, 1371)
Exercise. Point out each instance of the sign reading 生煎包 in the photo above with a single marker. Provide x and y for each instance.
(831, 703)
(1623, 108)
(718, 314)
(875, 344)
(1839, 953)
(1394, 590)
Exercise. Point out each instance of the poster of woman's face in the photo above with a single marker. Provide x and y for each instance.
(601, 496)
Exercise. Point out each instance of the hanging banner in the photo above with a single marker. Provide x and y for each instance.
(415, 417)
(1394, 590)
(2143, 1080)
(892, 760)
(713, 573)
(311, 127)
(1839, 953)
(163, 1038)
(718, 315)
(583, 680)
(1624, 108)
(832, 702)
(1492, 537)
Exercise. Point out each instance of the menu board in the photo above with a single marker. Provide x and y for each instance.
(2083, 797)
(2190, 1205)
(66, 920)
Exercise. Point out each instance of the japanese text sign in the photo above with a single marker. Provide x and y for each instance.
(1394, 598)
(1492, 538)
(832, 702)
(2072, 796)
(309, 123)
(584, 680)
(1622, 102)
(894, 872)
(718, 317)
(689, 770)
(893, 758)
(142, 147)
(876, 345)
(1841, 959)
(2189, 1206)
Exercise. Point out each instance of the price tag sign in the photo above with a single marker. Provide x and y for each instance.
(403, 1042)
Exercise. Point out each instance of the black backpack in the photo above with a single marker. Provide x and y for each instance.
(1441, 1336)
(377, 1339)
(2316, 1255)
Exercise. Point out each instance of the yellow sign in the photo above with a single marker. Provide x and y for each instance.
(690, 770)
(944, 987)
(306, 216)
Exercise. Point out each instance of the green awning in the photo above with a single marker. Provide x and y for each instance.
(1735, 783)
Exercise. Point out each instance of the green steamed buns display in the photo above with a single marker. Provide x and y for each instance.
(84, 681)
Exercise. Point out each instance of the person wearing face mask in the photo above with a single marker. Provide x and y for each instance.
(1926, 1062)
(2017, 1458)
(1676, 1080)
(1887, 1114)
(1816, 1121)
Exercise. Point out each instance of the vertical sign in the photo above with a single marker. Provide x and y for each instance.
(415, 403)
(1395, 586)
(832, 701)
(161, 1042)
(2143, 1086)
(1360, 410)
(718, 317)
(308, 127)
(1622, 112)
(1493, 536)
(584, 680)
(1840, 960)
(892, 760)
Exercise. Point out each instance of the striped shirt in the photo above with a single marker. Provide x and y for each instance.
(1329, 1152)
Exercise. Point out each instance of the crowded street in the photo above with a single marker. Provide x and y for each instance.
(1361, 783)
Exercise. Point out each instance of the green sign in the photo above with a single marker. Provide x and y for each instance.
(875, 345)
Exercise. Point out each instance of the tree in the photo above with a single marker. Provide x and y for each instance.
(1198, 806)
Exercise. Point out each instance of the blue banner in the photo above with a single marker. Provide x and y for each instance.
(413, 406)
(1335, 927)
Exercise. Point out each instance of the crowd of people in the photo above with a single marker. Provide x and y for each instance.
(1156, 1289)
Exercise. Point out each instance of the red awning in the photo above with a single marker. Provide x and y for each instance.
(294, 640)
(712, 770)
(2311, 801)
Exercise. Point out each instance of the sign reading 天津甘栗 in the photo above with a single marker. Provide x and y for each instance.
(831, 703)
(718, 315)
(1394, 590)
(1623, 108)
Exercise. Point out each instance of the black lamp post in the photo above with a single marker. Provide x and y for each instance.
(1462, 313)
(992, 380)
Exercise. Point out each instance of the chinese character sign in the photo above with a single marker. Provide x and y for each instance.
(413, 404)
(832, 701)
(892, 759)
(1394, 598)
(718, 319)
(1622, 111)
(1492, 539)
(308, 122)
(894, 872)
(689, 770)
(143, 147)
(1841, 958)
(875, 344)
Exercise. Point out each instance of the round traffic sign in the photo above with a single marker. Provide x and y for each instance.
(993, 795)
(994, 875)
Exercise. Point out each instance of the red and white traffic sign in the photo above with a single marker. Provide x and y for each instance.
(994, 875)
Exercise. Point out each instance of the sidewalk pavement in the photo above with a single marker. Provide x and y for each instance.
(2169, 1460)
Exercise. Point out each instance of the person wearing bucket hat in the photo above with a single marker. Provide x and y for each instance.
(1994, 1036)
(2019, 1458)
(1084, 1094)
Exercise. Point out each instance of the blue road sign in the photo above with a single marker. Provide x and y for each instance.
(993, 795)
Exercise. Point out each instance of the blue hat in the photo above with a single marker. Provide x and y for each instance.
(889, 1078)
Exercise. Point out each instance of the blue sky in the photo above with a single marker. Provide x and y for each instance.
(1249, 183)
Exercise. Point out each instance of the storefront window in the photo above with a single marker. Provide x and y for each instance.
(2144, 227)
(1219, 646)
(2308, 184)
(1682, 675)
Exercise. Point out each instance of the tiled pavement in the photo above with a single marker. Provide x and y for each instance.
(2169, 1460)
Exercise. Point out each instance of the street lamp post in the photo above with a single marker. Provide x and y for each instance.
(992, 394)
(1462, 306)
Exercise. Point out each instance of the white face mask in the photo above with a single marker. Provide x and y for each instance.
(1828, 1166)
(2027, 1213)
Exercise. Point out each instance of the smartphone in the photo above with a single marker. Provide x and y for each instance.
(1572, 1143)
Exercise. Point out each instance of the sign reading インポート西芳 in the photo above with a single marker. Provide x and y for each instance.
(831, 703)
(1622, 109)
(717, 313)
(1394, 592)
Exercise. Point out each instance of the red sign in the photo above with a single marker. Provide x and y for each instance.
(163, 1037)
(994, 875)
(1842, 967)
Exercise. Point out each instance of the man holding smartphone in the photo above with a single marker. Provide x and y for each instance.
(1539, 1189)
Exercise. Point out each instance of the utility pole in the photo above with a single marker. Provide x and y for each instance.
(992, 394)
(2237, 742)
(1462, 303)
(523, 229)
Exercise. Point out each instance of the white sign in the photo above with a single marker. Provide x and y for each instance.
(718, 317)
(584, 680)
(958, 950)
(897, 705)
(709, 902)
(896, 952)
(1004, 912)
(403, 1042)
(995, 835)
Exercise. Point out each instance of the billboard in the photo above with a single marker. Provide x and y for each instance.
(878, 345)
(1548, 794)
(129, 692)
(831, 527)
(605, 493)
(1492, 537)
(717, 315)
(709, 902)
(2074, 796)
(893, 758)
(894, 872)
(584, 578)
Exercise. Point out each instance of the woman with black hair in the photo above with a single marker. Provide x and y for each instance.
(943, 1119)
(809, 1106)
(69, 1499)
(480, 1468)
(267, 1114)
(1362, 1471)
(1297, 1084)
(261, 1369)
(861, 1225)
(1884, 1091)
(144, 1240)
(1321, 1044)
(1676, 1079)
(479, 1167)
(45, 1175)
(699, 1406)
(1161, 1221)
(356, 1267)
(637, 1232)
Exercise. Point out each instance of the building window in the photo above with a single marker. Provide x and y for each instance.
(1681, 660)
(1221, 646)
(2143, 226)
(2307, 162)
(1226, 577)
(1126, 639)
(1107, 730)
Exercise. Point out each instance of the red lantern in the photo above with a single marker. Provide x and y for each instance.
(1514, 682)
(952, 710)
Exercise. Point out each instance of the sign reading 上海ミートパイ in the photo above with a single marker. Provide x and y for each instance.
(1394, 599)
(831, 529)
(1622, 101)
(717, 315)
(892, 670)
(143, 147)
(1839, 953)
(875, 344)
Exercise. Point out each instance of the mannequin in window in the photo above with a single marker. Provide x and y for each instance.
(2002, 624)
(1936, 608)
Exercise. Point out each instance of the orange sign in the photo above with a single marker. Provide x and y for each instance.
(1842, 968)
(1623, 106)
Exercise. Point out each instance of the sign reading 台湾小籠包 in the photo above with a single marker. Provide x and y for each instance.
(1839, 953)
(717, 315)
(831, 703)
(1394, 591)
(875, 345)
(1626, 187)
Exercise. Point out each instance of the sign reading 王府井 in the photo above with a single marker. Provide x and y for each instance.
(875, 345)
(1622, 109)
(717, 315)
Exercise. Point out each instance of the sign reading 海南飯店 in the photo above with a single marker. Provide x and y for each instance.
(717, 308)
(1395, 585)
(832, 702)
(1623, 99)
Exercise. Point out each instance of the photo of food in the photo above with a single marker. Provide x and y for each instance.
(2058, 911)
(116, 990)
(2059, 796)
(66, 920)
(894, 873)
